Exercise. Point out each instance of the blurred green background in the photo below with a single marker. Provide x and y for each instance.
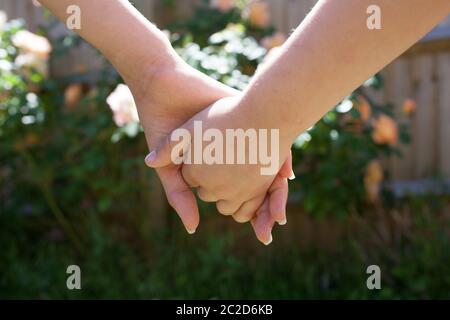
(74, 189)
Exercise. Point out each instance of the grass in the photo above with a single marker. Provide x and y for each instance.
(33, 265)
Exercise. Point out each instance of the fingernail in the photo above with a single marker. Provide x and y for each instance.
(283, 222)
(190, 231)
(292, 177)
(150, 157)
(269, 241)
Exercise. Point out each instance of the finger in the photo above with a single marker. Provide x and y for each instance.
(186, 172)
(248, 210)
(227, 208)
(206, 196)
(180, 197)
(263, 223)
(278, 196)
(286, 170)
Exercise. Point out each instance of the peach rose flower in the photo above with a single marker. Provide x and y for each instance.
(372, 180)
(409, 106)
(34, 51)
(32, 43)
(364, 109)
(385, 130)
(73, 95)
(273, 41)
(258, 13)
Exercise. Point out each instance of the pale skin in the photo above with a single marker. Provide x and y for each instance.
(329, 55)
(168, 93)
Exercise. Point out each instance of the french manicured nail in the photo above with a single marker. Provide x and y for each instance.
(283, 222)
(292, 177)
(268, 241)
(150, 157)
(190, 231)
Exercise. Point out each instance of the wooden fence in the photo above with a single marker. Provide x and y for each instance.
(422, 73)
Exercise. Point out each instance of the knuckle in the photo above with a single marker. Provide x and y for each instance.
(189, 176)
(224, 209)
(205, 196)
(228, 207)
(241, 218)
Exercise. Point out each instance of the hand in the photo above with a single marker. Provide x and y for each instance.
(166, 98)
(238, 189)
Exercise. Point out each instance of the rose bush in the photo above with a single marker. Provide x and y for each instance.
(58, 138)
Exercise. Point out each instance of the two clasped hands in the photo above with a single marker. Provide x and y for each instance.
(330, 54)
(239, 190)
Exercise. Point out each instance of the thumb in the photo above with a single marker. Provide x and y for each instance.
(168, 151)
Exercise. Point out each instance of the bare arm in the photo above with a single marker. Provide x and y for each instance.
(330, 54)
(126, 38)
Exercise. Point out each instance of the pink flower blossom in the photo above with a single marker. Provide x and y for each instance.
(31, 43)
(122, 105)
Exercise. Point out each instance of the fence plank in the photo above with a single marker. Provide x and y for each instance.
(9, 7)
(297, 11)
(146, 7)
(443, 77)
(425, 128)
(278, 14)
(398, 88)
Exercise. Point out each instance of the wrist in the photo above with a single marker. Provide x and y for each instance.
(261, 117)
(152, 67)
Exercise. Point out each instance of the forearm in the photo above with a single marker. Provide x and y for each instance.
(126, 38)
(330, 54)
